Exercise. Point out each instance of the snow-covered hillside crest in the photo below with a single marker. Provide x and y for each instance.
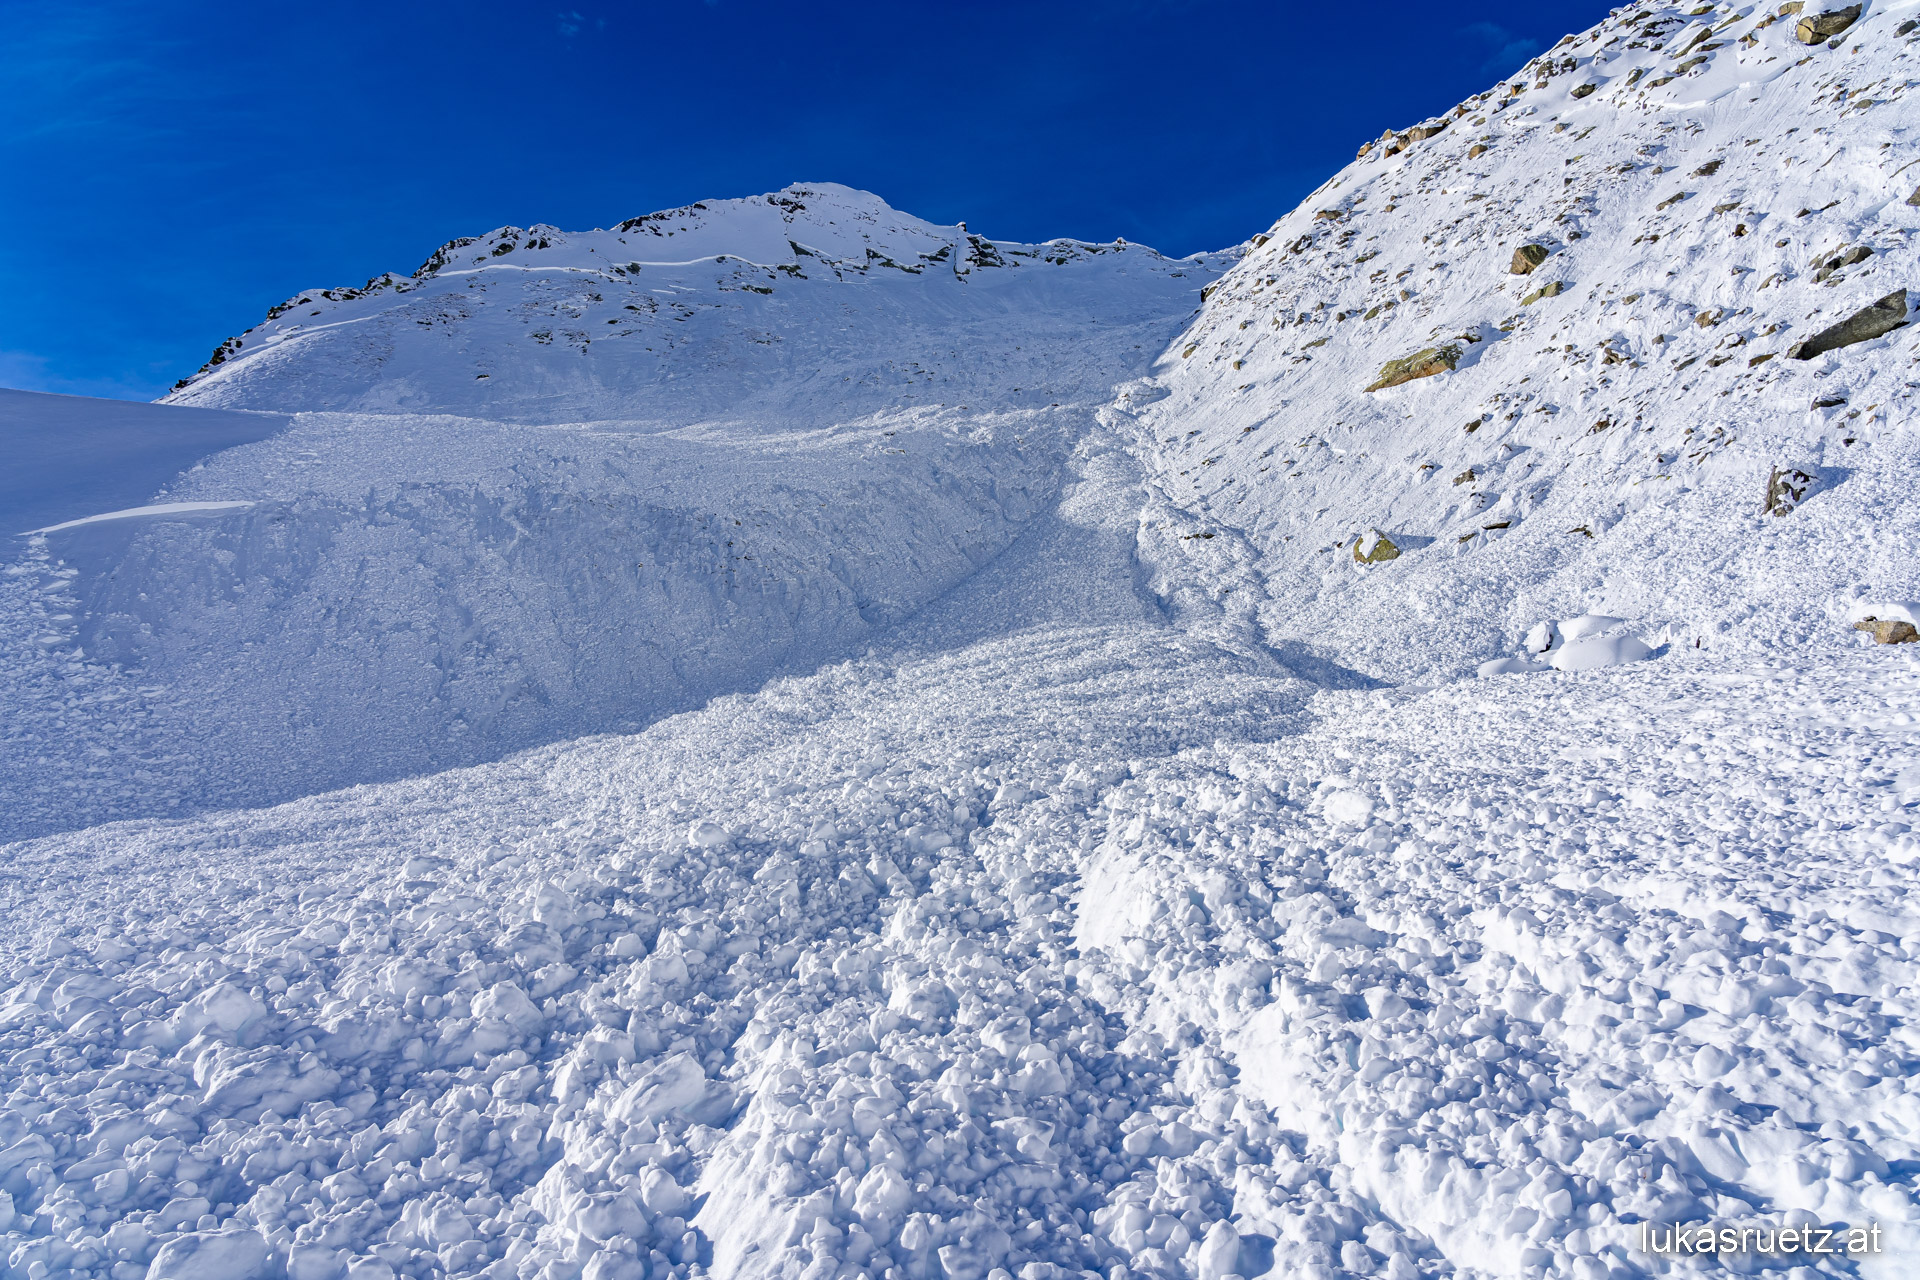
(1700, 191)
(539, 324)
(534, 492)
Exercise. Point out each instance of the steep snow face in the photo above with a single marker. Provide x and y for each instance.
(69, 457)
(817, 301)
(677, 477)
(1701, 192)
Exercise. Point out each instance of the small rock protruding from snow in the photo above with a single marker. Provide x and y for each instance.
(1889, 622)
(1527, 257)
(1787, 488)
(1421, 364)
(1374, 547)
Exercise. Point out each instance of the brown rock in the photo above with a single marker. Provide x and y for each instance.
(1888, 630)
(1527, 257)
(1786, 488)
(1883, 317)
(1374, 547)
(1826, 266)
(1421, 364)
(1477, 150)
(1821, 27)
(1581, 91)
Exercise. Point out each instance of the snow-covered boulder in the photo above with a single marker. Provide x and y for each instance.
(1374, 547)
(1600, 651)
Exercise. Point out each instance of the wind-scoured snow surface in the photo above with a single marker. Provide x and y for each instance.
(1016, 836)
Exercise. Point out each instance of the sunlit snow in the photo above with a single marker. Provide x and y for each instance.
(784, 740)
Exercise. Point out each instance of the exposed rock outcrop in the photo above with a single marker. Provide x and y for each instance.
(1819, 27)
(1374, 547)
(1527, 257)
(1787, 488)
(1864, 325)
(1888, 630)
(1421, 364)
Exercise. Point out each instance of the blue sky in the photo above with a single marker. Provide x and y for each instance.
(175, 169)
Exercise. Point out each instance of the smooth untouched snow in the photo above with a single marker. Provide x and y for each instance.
(939, 796)
(69, 457)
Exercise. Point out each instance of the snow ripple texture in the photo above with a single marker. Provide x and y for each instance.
(1014, 835)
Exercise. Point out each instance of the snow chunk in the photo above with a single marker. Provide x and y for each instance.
(882, 1195)
(224, 1006)
(154, 511)
(1511, 667)
(1600, 651)
(507, 1003)
(210, 1255)
(673, 1085)
(1220, 1252)
(1907, 611)
(1348, 808)
(1588, 624)
(660, 1192)
(706, 834)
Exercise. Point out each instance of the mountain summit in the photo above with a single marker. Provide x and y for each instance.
(721, 306)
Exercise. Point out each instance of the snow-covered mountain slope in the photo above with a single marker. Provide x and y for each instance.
(752, 470)
(817, 303)
(1605, 437)
(1098, 873)
(1049, 938)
